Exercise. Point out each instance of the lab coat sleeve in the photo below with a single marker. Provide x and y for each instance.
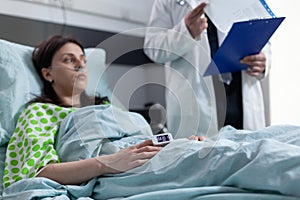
(165, 41)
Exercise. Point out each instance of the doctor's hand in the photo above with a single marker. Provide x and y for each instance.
(194, 22)
(256, 63)
(128, 158)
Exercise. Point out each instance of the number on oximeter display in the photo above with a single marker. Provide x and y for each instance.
(162, 139)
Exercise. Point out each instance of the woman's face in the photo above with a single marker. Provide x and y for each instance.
(69, 70)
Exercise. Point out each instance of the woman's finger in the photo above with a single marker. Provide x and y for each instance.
(143, 144)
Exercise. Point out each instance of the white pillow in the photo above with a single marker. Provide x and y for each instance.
(19, 81)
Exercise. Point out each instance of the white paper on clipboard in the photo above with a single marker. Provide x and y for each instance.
(224, 13)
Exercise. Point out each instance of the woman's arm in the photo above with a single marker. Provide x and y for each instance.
(77, 172)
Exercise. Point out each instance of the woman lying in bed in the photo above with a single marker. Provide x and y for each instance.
(57, 140)
(61, 65)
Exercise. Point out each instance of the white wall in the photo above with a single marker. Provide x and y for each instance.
(285, 71)
(106, 15)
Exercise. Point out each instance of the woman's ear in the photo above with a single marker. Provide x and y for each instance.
(47, 75)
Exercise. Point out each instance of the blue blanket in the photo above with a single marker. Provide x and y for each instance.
(235, 164)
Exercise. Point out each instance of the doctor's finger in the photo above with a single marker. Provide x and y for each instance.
(251, 73)
(198, 11)
(252, 58)
(257, 65)
(254, 71)
(254, 62)
(257, 69)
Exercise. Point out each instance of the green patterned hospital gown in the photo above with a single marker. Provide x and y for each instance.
(31, 146)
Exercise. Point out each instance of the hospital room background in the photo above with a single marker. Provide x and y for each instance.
(119, 26)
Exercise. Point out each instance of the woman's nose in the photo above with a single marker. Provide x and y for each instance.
(80, 69)
(80, 62)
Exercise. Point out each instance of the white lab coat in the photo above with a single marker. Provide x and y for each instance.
(190, 101)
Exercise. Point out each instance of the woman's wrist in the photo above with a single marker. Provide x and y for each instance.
(100, 166)
(103, 168)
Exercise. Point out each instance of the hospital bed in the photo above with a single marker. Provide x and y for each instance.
(261, 168)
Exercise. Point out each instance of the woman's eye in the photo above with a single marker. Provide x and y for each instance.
(74, 61)
(68, 60)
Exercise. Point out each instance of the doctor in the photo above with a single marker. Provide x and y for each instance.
(184, 40)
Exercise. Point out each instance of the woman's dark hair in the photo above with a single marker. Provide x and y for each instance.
(42, 58)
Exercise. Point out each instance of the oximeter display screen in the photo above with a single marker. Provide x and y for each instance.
(163, 138)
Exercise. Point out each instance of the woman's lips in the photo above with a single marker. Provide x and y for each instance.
(81, 76)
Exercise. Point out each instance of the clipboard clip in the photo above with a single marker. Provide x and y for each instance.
(258, 19)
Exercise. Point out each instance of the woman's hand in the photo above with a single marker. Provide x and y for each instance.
(128, 158)
(195, 137)
(77, 172)
(194, 22)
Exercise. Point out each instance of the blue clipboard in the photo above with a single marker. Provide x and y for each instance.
(244, 38)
